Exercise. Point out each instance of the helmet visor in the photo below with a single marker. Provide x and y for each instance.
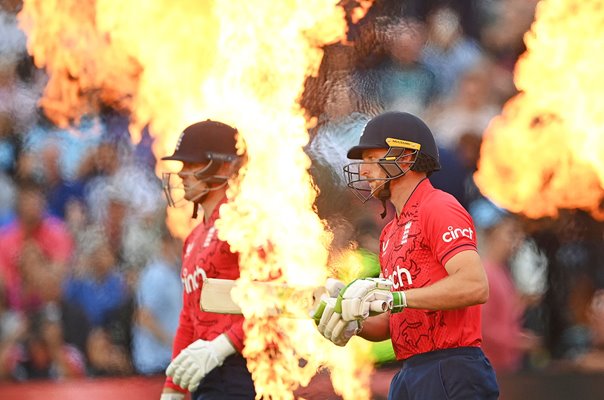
(176, 192)
(173, 188)
(362, 186)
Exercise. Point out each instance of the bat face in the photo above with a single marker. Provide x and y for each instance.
(220, 296)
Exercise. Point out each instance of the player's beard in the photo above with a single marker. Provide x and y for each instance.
(379, 189)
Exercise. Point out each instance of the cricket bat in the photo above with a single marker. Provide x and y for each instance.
(217, 296)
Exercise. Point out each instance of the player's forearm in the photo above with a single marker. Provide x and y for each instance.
(465, 285)
(376, 329)
(452, 292)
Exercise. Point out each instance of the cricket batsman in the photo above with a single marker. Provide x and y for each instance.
(433, 274)
(206, 357)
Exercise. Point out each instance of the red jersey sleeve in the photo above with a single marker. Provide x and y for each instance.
(236, 336)
(184, 336)
(450, 227)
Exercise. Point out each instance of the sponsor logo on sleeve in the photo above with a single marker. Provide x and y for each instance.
(455, 233)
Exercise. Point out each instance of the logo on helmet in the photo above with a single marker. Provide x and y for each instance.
(179, 141)
(393, 142)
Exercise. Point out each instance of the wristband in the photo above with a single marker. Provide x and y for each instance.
(172, 396)
(399, 302)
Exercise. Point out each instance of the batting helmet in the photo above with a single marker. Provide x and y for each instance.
(410, 146)
(210, 143)
(394, 130)
(205, 141)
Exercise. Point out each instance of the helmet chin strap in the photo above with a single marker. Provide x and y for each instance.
(196, 204)
(219, 182)
(384, 195)
(206, 175)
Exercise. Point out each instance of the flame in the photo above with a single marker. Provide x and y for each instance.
(544, 152)
(243, 63)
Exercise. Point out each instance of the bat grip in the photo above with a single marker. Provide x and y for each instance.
(380, 306)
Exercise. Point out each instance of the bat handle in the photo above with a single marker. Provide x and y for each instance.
(380, 306)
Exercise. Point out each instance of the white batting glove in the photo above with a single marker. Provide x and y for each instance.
(197, 360)
(172, 396)
(333, 327)
(364, 297)
(333, 287)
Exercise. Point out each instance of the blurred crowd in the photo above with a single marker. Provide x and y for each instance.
(89, 271)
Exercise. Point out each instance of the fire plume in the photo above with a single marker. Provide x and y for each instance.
(544, 152)
(244, 63)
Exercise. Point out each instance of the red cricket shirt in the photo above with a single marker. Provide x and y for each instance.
(414, 247)
(205, 255)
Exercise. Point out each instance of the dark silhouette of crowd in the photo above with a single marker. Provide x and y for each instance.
(89, 271)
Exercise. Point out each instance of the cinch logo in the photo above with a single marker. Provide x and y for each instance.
(397, 278)
(191, 281)
(456, 233)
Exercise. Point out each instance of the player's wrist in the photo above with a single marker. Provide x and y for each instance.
(172, 396)
(399, 302)
(223, 347)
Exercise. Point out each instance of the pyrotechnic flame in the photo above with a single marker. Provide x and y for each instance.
(544, 152)
(243, 63)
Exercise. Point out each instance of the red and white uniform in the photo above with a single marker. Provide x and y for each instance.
(414, 247)
(205, 255)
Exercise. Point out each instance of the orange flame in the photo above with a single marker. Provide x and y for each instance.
(243, 63)
(544, 152)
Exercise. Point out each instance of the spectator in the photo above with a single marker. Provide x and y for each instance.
(74, 321)
(448, 52)
(503, 41)
(593, 360)
(7, 200)
(159, 300)
(100, 289)
(97, 286)
(453, 177)
(32, 263)
(45, 354)
(123, 198)
(13, 327)
(105, 357)
(505, 341)
(9, 143)
(59, 192)
(96, 168)
(469, 109)
(33, 228)
(406, 84)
